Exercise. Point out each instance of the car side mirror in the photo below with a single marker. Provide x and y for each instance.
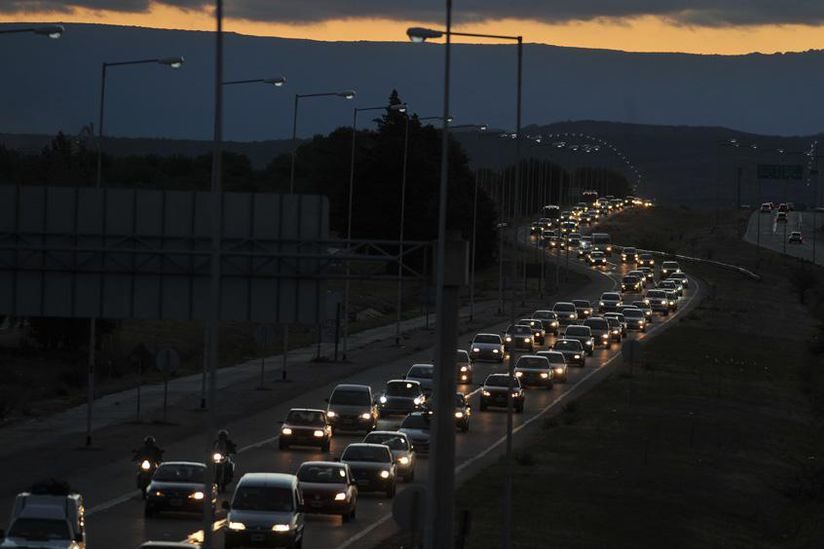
(226, 505)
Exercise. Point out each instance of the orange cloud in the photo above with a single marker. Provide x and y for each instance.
(643, 34)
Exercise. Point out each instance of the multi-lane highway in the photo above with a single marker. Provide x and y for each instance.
(119, 520)
(774, 235)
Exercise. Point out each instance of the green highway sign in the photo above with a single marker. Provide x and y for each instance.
(781, 171)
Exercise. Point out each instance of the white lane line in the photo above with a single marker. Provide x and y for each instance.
(366, 531)
(106, 505)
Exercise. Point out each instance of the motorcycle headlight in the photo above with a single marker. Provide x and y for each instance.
(286, 431)
(382, 400)
(330, 413)
(236, 526)
(508, 339)
(281, 528)
(519, 374)
(384, 474)
(459, 414)
(476, 350)
(604, 336)
(403, 460)
(515, 395)
(318, 433)
(544, 375)
(217, 457)
(145, 465)
(537, 334)
(197, 496)
(340, 496)
(464, 368)
(417, 401)
(366, 415)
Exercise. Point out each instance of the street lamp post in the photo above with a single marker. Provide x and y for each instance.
(175, 63)
(52, 31)
(441, 483)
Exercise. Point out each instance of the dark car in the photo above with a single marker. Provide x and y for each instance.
(519, 338)
(646, 260)
(538, 332)
(418, 430)
(567, 312)
(616, 328)
(597, 259)
(583, 307)
(178, 486)
(549, 319)
(794, 238)
(305, 427)
(402, 451)
(669, 267)
(401, 397)
(534, 370)
(372, 467)
(636, 319)
(600, 330)
(609, 302)
(328, 488)
(463, 367)
(658, 301)
(487, 347)
(266, 511)
(558, 364)
(681, 278)
(644, 306)
(649, 274)
(629, 255)
(463, 412)
(582, 334)
(622, 321)
(495, 392)
(573, 351)
(631, 284)
(422, 373)
(352, 408)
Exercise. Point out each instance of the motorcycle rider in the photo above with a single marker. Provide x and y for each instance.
(225, 446)
(150, 451)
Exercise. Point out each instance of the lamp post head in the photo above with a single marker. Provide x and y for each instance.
(52, 31)
(347, 94)
(173, 62)
(277, 81)
(419, 34)
(483, 127)
(398, 107)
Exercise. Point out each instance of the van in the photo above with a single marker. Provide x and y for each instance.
(352, 408)
(51, 517)
(266, 511)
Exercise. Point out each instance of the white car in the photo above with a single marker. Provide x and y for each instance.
(487, 347)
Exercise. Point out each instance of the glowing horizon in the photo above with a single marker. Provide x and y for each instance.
(646, 34)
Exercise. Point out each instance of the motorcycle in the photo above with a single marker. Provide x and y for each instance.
(224, 469)
(145, 471)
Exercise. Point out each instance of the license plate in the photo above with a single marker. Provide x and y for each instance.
(363, 483)
(315, 503)
(256, 537)
(175, 502)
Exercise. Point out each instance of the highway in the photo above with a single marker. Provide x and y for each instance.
(774, 235)
(119, 521)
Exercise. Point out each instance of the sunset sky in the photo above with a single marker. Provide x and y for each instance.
(693, 26)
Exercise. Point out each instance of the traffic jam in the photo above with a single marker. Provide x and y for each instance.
(329, 466)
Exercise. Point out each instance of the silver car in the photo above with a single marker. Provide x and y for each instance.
(487, 347)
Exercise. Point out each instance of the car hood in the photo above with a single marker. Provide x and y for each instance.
(397, 399)
(486, 345)
(323, 487)
(497, 389)
(416, 434)
(20, 543)
(531, 369)
(176, 486)
(260, 519)
(368, 465)
(350, 409)
(425, 382)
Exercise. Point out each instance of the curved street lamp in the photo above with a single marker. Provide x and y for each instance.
(277, 81)
(52, 31)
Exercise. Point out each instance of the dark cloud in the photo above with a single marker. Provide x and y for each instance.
(712, 13)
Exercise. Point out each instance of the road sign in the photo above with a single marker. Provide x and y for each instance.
(264, 335)
(167, 360)
(409, 508)
(781, 172)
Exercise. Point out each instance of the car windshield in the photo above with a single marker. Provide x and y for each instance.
(414, 421)
(35, 529)
(180, 473)
(613, 322)
(481, 338)
(263, 498)
(528, 322)
(392, 440)
(322, 473)
(460, 400)
(423, 372)
(500, 381)
(633, 313)
(582, 303)
(597, 255)
(578, 331)
(531, 362)
(462, 356)
(403, 389)
(565, 307)
(639, 304)
(553, 357)
(670, 265)
(520, 330)
(597, 323)
(610, 296)
(630, 279)
(545, 315)
(656, 293)
(305, 417)
(374, 454)
(350, 397)
(568, 345)
(629, 250)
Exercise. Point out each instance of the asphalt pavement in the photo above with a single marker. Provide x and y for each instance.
(774, 235)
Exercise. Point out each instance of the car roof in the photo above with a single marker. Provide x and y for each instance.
(528, 356)
(365, 445)
(487, 334)
(277, 480)
(410, 381)
(422, 364)
(351, 387)
(168, 545)
(313, 410)
(395, 433)
(321, 462)
(183, 463)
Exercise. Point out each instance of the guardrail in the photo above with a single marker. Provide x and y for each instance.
(741, 270)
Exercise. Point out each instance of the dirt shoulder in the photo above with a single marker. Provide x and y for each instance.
(714, 440)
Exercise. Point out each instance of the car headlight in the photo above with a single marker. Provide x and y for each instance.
(553, 323)
(382, 400)
(403, 460)
(286, 431)
(615, 331)
(281, 528)
(577, 357)
(537, 334)
(417, 401)
(464, 368)
(496, 351)
(197, 495)
(604, 336)
(486, 393)
(366, 415)
(609, 248)
(646, 302)
(508, 339)
(519, 374)
(672, 302)
(340, 496)
(145, 465)
(318, 433)
(601, 303)
(572, 315)
(515, 395)
(330, 413)
(384, 474)
(544, 375)
(527, 340)
(236, 526)
(157, 494)
(476, 350)
(459, 414)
